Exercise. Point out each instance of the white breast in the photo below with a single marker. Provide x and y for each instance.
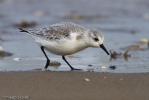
(63, 46)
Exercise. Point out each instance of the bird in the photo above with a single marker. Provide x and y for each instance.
(65, 38)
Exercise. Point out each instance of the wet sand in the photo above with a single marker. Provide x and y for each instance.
(47, 85)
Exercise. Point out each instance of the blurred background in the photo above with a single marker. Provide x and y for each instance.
(124, 23)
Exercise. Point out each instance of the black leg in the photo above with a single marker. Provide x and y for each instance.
(48, 60)
(69, 64)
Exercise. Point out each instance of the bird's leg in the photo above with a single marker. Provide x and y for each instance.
(69, 64)
(48, 60)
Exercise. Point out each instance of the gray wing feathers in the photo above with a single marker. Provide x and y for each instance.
(56, 31)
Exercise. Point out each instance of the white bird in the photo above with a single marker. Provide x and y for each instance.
(66, 38)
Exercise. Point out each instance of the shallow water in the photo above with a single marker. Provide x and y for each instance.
(121, 25)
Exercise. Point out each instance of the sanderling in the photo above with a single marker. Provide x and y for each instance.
(66, 38)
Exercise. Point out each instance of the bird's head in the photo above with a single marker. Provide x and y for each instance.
(95, 39)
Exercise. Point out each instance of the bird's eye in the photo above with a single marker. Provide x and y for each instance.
(96, 39)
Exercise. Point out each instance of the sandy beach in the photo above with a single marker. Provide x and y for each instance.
(47, 85)
(125, 26)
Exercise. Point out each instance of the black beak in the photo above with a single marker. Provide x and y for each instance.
(102, 46)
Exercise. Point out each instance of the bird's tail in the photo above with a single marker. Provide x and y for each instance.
(33, 34)
(30, 32)
(22, 30)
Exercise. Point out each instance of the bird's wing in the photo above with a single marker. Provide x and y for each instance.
(56, 31)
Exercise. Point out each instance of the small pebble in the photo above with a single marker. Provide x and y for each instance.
(90, 65)
(103, 67)
(104, 77)
(143, 41)
(112, 67)
(1, 48)
(86, 79)
(17, 59)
